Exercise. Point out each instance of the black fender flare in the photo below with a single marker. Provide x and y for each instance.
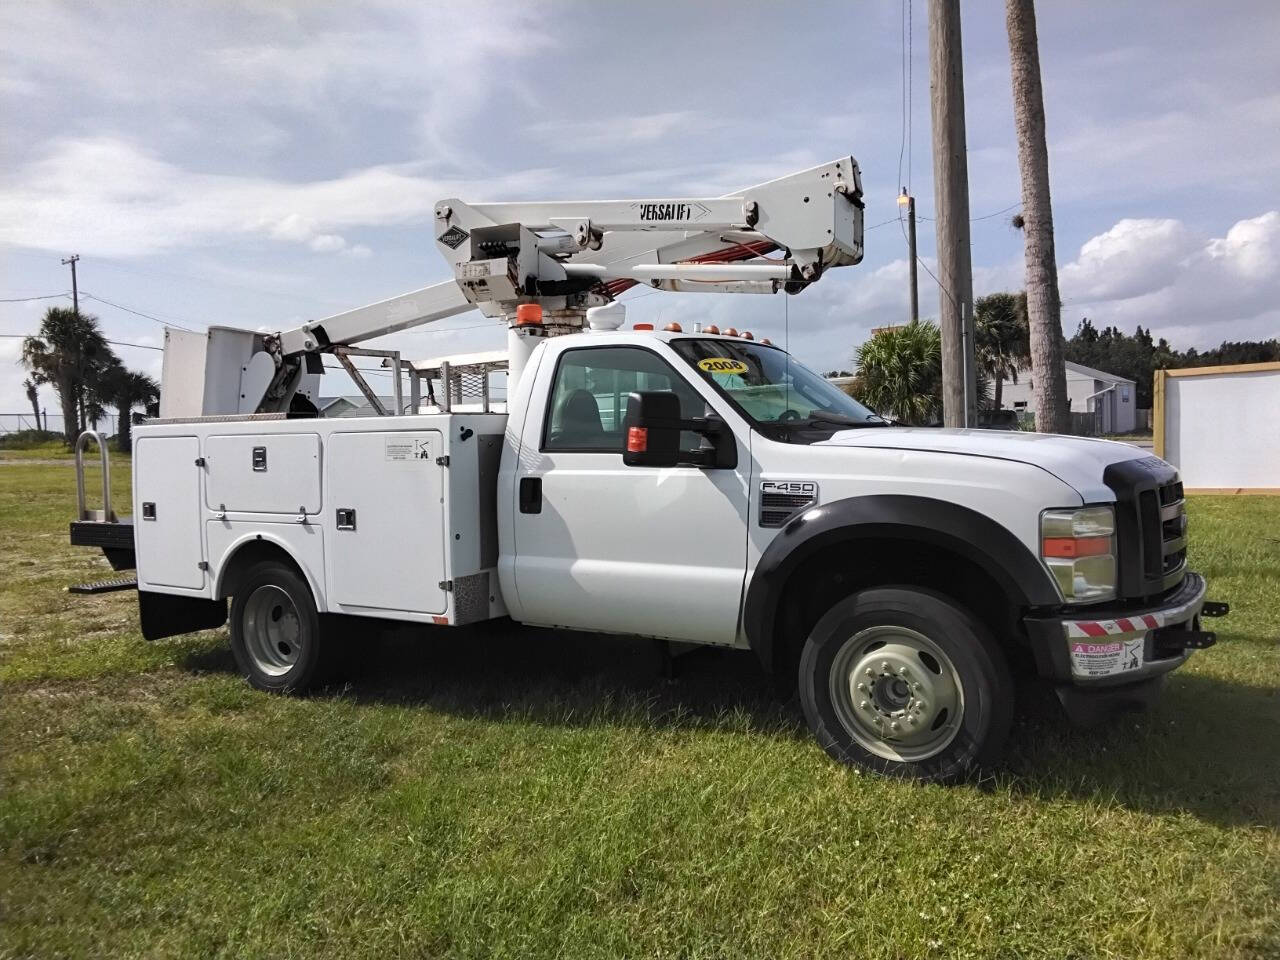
(923, 520)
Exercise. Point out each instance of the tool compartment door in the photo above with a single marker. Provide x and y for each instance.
(391, 554)
(267, 473)
(166, 512)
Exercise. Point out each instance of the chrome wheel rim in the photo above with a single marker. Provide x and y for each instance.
(897, 693)
(272, 630)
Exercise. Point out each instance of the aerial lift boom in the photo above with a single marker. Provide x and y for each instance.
(566, 256)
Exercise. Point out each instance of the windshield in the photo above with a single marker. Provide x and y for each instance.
(771, 388)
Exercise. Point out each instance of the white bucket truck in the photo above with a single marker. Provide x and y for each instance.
(696, 486)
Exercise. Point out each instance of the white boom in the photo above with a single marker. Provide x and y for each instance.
(564, 255)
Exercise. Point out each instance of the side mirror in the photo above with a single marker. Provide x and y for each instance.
(652, 431)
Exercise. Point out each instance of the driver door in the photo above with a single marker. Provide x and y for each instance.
(653, 551)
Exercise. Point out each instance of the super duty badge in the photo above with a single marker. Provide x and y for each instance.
(780, 500)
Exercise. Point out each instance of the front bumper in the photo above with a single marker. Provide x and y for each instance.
(1121, 644)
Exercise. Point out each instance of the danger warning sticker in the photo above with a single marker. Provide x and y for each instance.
(1106, 659)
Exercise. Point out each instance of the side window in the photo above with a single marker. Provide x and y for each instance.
(589, 397)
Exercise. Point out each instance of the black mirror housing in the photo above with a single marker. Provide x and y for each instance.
(651, 430)
(651, 434)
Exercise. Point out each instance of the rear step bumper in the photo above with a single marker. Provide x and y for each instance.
(114, 539)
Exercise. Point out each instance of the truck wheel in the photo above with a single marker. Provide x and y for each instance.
(278, 639)
(904, 682)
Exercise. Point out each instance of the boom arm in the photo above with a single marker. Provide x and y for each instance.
(566, 256)
(574, 254)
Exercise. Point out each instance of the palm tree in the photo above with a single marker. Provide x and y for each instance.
(124, 389)
(1044, 308)
(31, 385)
(66, 353)
(1001, 338)
(899, 371)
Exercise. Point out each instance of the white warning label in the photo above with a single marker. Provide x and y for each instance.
(408, 448)
(1107, 658)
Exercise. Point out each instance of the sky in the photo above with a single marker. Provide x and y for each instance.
(262, 164)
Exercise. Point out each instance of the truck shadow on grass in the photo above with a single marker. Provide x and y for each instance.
(1209, 748)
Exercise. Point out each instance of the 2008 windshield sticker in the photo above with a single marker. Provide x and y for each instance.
(723, 365)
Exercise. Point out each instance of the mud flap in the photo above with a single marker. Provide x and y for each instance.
(165, 615)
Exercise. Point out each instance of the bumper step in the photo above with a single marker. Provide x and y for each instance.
(1215, 608)
(104, 586)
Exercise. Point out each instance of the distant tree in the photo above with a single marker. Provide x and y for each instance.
(1137, 357)
(1002, 339)
(899, 371)
(124, 389)
(68, 353)
(33, 395)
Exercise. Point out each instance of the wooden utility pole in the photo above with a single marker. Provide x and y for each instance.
(75, 291)
(908, 201)
(951, 198)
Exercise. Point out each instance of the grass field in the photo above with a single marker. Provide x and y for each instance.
(511, 793)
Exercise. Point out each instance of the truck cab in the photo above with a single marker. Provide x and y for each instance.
(790, 516)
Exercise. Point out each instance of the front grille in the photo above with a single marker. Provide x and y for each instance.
(1151, 525)
(777, 508)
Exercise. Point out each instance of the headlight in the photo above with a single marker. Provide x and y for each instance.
(1079, 549)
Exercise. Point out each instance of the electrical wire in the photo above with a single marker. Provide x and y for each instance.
(47, 296)
(985, 216)
(137, 313)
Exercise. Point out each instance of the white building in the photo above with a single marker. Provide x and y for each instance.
(1110, 398)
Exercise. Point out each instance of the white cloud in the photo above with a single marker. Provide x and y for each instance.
(1196, 290)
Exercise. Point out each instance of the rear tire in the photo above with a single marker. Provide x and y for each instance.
(904, 682)
(280, 642)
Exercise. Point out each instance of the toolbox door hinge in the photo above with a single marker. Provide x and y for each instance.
(442, 461)
(200, 461)
(446, 585)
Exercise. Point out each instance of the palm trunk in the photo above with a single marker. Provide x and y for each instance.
(67, 400)
(35, 408)
(998, 399)
(124, 427)
(1044, 308)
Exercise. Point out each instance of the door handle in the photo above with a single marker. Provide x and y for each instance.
(530, 494)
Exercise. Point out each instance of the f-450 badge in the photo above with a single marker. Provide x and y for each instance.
(780, 500)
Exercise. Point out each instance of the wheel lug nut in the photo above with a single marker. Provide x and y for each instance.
(902, 671)
(862, 705)
(911, 720)
(894, 725)
(922, 706)
(919, 687)
(870, 672)
(862, 688)
(884, 666)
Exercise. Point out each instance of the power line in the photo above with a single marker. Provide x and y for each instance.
(47, 296)
(139, 313)
(115, 343)
(985, 216)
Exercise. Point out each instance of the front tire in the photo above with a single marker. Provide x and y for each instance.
(278, 639)
(904, 682)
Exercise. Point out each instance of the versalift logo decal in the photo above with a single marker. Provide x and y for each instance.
(669, 211)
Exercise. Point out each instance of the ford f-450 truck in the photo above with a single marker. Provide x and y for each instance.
(695, 487)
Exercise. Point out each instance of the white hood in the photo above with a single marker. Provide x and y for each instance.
(1077, 461)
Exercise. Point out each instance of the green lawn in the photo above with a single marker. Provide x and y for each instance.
(509, 793)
